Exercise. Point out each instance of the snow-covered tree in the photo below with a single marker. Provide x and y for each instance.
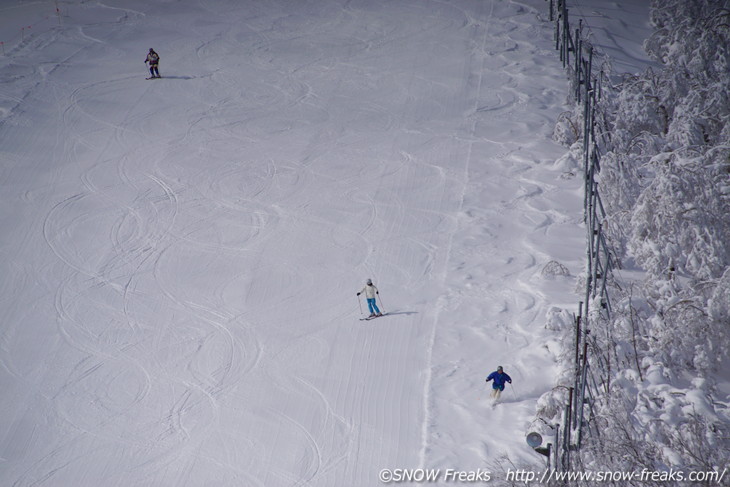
(665, 184)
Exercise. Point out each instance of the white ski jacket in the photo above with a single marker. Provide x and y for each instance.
(370, 291)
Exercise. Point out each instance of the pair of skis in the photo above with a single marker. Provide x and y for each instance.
(371, 317)
(368, 318)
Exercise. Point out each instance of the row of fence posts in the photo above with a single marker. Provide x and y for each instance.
(27, 28)
(576, 54)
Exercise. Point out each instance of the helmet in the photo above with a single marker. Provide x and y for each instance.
(369, 281)
(499, 368)
(152, 50)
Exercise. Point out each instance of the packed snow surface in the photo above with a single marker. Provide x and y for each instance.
(180, 257)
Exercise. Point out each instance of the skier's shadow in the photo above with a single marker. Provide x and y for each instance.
(178, 77)
(401, 313)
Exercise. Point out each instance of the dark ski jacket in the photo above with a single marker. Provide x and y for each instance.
(153, 58)
(499, 380)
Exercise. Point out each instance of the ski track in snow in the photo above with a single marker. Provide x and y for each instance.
(186, 251)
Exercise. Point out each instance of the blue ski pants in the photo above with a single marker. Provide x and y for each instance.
(373, 306)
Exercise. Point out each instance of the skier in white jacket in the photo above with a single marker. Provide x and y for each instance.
(370, 292)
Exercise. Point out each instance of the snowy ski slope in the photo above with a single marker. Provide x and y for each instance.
(180, 257)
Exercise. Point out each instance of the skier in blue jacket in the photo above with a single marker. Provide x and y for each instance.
(499, 377)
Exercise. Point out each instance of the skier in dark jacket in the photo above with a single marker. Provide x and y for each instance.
(499, 377)
(154, 59)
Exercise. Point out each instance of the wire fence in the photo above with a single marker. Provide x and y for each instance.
(577, 56)
(34, 19)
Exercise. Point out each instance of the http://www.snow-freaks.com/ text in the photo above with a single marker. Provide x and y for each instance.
(448, 475)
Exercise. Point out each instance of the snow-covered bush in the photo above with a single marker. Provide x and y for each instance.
(679, 223)
(567, 129)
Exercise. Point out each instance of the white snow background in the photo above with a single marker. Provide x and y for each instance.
(180, 257)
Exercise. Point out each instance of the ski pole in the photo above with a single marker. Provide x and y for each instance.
(359, 304)
(511, 388)
(381, 303)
